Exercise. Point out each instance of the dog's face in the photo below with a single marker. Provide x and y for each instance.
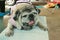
(26, 16)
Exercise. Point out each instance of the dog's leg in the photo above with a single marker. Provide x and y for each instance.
(10, 30)
(40, 24)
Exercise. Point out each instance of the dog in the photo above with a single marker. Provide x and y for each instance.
(24, 17)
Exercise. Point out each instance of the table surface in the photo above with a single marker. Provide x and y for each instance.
(35, 34)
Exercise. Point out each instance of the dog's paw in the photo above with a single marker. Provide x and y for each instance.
(45, 28)
(9, 33)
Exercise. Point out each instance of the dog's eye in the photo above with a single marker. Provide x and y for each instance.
(24, 15)
(35, 13)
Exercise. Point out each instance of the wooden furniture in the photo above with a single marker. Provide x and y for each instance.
(45, 12)
(53, 22)
(2, 6)
(40, 3)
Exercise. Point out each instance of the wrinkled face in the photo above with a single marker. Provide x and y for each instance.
(27, 17)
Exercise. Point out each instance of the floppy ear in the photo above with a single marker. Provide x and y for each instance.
(38, 10)
(17, 14)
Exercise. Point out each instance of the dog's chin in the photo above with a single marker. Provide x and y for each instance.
(26, 28)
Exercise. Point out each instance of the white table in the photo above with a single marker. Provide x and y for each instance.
(34, 34)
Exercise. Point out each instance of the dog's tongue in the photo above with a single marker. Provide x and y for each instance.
(31, 23)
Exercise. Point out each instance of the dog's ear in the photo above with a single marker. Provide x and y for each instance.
(17, 14)
(38, 10)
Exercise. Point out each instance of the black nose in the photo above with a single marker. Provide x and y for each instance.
(31, 17)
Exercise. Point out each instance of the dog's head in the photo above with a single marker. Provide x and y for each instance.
(26, 16)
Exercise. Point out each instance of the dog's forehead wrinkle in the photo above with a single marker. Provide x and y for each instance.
(27, 10)
(30, 7)
(24, 14)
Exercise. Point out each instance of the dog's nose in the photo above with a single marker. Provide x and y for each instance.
(31, 17)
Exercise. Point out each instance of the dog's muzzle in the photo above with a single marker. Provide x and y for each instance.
(29, 25)
(31, 18)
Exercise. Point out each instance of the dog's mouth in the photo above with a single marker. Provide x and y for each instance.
(28, 26)
(31, 22)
